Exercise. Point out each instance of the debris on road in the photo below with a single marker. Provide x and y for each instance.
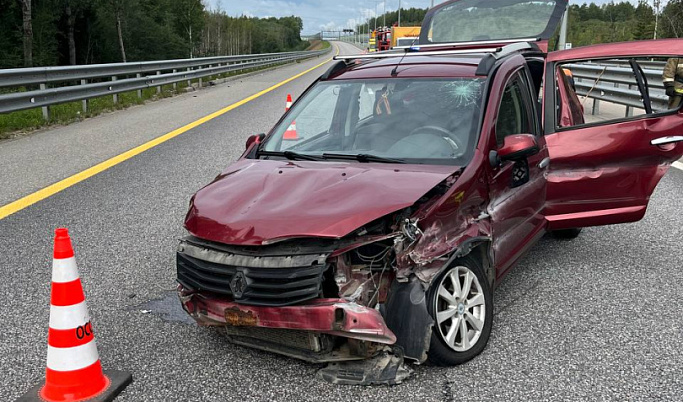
(386, 368)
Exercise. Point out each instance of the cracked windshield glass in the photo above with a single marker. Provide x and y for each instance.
(406, 119)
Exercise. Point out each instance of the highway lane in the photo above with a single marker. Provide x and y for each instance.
(594, 318)
(59, 152)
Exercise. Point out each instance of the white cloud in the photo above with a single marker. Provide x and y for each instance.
(323, 14)
(316, 14)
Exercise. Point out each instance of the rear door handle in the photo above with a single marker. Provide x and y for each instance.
(667, 140)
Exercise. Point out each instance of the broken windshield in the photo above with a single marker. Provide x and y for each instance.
(400, 119)
(484, 20)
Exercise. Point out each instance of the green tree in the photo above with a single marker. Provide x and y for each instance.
(11, 45)
(189, 22)
(671, 19)
(27, 32)
(645, 21)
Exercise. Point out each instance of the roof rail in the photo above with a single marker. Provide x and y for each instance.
(492, 54)
(414, 53)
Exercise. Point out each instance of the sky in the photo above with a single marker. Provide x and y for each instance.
(319, 15)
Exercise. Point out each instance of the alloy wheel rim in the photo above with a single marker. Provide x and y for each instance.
(460, 308)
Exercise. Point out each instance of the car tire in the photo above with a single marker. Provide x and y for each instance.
(566, 233)
(466, 314)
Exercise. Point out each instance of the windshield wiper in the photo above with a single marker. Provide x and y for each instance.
(362, 158)
(291, 155)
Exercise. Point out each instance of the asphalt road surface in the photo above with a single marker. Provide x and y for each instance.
(596, 318)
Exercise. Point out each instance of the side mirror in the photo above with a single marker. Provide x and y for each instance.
(517, 147)
(254, 139)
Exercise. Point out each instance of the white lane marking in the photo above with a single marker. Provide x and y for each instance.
(678, 165)
(69, 317)
(64, 270)
(70, 359)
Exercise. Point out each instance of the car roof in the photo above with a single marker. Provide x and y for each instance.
(434, 66)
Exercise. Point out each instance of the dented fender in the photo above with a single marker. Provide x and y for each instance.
(449, 227)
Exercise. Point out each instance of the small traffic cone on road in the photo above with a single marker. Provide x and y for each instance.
(74, 372)
(290, 134)
(288, 105)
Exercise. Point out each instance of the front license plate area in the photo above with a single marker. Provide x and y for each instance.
(239, 318)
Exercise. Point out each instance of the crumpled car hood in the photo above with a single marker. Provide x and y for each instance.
(257, 201)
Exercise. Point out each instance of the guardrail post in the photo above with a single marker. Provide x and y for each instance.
(175, 84)
(596, 106)
(159, 87)
(116, 96)
(84, 102)
(46, 109)
(189, 82)
(138, 75)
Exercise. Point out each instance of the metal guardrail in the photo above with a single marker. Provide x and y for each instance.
(358, 40)
(122, 77)
(616, 83)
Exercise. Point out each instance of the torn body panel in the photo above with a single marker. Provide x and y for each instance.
(407, 316)
(330, 316)
(446, 223)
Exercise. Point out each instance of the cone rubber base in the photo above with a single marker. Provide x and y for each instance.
(119, 380)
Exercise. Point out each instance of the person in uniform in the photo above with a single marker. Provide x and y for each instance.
(673, 81)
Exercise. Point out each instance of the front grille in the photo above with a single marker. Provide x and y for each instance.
(304, 340)
(258, 286)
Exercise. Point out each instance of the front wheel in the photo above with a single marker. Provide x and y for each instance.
(461, 304)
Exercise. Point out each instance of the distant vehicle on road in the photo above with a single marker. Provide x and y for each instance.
(383, 38)
(407, 41)
(404, 36)
(413, 186)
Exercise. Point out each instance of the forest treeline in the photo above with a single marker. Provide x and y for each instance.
(591, 23)
(63, 32)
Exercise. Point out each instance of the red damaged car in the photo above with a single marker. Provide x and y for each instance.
(373, 222)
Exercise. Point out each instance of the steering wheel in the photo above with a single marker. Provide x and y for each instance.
(444, 134)
(426, 142)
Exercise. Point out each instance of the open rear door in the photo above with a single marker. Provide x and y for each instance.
(604, 170)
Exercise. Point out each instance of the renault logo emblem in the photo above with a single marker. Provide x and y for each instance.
(238, 285)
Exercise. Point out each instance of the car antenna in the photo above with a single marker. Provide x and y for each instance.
(394, 72)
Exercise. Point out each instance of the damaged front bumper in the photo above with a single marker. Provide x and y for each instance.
(313, 324)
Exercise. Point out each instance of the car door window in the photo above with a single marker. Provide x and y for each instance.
(590, 92)
(660, 74)
(513, 113)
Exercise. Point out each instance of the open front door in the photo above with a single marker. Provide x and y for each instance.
(603, 170)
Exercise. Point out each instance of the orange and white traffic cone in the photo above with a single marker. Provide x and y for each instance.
(290, 134)
(288, 105)
(74, 371)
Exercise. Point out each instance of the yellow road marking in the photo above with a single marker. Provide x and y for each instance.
(55, 188)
